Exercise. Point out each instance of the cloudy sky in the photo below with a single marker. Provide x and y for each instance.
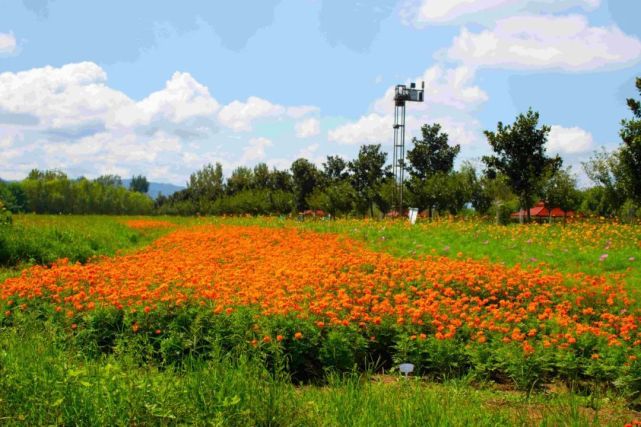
(162, 88)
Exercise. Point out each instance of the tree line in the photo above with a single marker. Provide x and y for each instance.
(514, 176)
(52, 191)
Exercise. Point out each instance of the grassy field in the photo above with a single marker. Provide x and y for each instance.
(64, 362)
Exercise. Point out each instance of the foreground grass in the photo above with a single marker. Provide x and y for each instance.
(45, 382)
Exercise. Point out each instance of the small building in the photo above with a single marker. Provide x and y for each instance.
(539, 211)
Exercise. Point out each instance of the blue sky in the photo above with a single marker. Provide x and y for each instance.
(162, 88)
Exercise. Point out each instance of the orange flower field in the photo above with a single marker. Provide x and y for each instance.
(330, 282)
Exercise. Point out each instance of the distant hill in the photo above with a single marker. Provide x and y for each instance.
(157, 187)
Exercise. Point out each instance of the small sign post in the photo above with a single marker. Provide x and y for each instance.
(406, 368)
(413, 214)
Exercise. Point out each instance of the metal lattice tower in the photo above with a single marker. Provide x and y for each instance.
(402, 95)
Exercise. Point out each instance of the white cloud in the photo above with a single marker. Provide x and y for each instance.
(378, 129)
(573, 140)
(307, 128)
(182, 99)
(68, 117)
(423, 12)
(297, 112)
(255, 150)
(371, 129)
(239, 116)
(8, 43)
(447, 87)
(545, 42)
(71, 96)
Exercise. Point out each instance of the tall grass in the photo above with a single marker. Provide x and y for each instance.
(44, 381)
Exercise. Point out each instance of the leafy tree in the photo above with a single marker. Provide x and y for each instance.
(280, 180)
(559, 190)
(336, 199)
(261, 177)
(367, 173)
(109, 180)
(431, 193)
(430, 163)
(519, 154)
(305, 178)
(630, 153)
(241, 179)
(432, 154)
(139, 184)
(335, 169)
(206, 183)
(605, 170)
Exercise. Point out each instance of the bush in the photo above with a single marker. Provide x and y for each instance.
(5, 215)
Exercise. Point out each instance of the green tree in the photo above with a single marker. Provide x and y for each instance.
(109, 180)
(335, 169)
(519, 154)
(261, 177)
(207, 183)
(559, 190)
(280, 180)
(432, 154)
(367, 173)
(630, 152)
(337, 198)
(241, 179)
(305, 178)
(605, 170)
(430, 164)
(139, 184)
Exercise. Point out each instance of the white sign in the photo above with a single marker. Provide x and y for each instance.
(413, 214)
(406, 368)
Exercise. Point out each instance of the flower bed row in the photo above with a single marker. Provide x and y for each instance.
(325, 301)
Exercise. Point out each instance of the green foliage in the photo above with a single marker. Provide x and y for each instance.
(559, 190)
(43, 240)
(630, 153)
(305, 178)
(240, 180)
(605, 170)
(139, 184)
(337, 198)
(335, 169)
(432, 154)
(519, 154)
(207, 183)
(46, 383)
(5, 215)
(109, 180)
(367, 173)
(53, 192)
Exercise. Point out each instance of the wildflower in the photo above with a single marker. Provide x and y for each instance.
(298, 336)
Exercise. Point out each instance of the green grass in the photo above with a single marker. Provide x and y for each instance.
(42, 239)
(46, 381)
(573, 248)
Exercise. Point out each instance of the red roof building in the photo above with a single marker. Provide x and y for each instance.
(540, 211)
